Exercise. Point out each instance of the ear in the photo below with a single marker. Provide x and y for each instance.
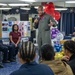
(66, 52)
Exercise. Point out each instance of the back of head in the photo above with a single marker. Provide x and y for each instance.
(70, 46)
(27, 51)
(47, 52)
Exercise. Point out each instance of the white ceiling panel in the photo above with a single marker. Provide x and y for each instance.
(38, 2)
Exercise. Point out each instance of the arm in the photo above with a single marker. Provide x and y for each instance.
(52, 21)
(11, 39)
(73, 33)
(18, 40)
(35, 24)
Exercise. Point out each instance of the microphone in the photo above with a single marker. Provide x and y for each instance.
(37, 17)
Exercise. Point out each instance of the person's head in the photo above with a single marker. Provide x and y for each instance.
(47, 52)
(15, 27)
(69, 47)
(40, 10)
(27, 52)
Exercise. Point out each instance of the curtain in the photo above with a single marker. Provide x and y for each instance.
(67, 22)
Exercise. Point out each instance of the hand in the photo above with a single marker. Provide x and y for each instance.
(51, 23)
(66, 58)
(35, 21)
(15, 45)
(73, 33)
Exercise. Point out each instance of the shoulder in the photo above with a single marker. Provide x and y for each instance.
(46, 69)
(15, 72)
(47, 15)
(19, 32)
(11, 33)
(44, 66)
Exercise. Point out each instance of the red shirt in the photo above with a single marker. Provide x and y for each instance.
(41, 16)
(15, 36)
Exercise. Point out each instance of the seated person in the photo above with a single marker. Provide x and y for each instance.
(7, 52)
(1, 57)
(69, 49)
(15, 37)
(26, 54)
(4, 49)
(58, 67)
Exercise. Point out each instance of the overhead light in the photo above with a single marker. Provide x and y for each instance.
(60, 8)
(37, 7)
(2, 4)
(29, 0)
(25, 8)
(5, 8)
(69, 1)
(55, 8)
(18, 4)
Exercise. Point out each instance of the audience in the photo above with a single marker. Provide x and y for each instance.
(7, 52)
(58, 67)
(4, 49)
(69, 50)
(15, 37)
(1, 57)
(27, 55)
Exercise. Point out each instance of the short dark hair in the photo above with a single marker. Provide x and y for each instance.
(14, 26)
(27, 51)
(70, 46)
(41, 7)
(47, 52)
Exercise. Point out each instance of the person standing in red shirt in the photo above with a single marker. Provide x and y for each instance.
(15, 37)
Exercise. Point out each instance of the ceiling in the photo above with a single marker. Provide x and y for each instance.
(59, 3)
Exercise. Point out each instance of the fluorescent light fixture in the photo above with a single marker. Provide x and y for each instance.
(25, 8)
(55, 8)
(2, 4)
(5, 8)
(18, 4)
(36, 7)
(60, 8)
(69, 1)
(29, 0)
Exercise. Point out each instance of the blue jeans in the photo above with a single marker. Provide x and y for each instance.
(8, 52)
(4, 49)
(15, 49)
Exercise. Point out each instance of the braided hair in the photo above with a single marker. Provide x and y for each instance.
(70, 46)
(27, 51)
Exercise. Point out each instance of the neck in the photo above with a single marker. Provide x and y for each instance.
(41, 14)
(15, 31)
(23, 62)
